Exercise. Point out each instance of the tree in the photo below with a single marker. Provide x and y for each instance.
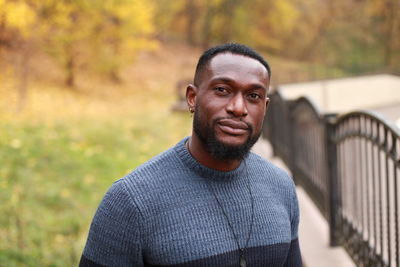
(17, 22)
(120, 28)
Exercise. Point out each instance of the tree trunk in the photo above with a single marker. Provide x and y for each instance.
(192, 18)
(3, 39)
(392, 29)
(206, 33)
(228, 9)
(70, 68)
(23, 74)
(115, 77)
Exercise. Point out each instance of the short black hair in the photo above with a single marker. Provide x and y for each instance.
(233, 48)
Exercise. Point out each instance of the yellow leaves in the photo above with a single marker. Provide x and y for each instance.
(140, 43)
(145, 146)
(129, 16)
(65, 193)
(88, 150)
(3, 182)
(102, 35)
(135, 19)
(267, 40)
(59, 239)
(15, 143)
(285, 14)
(75, 146)
(16, 194)
(378, 7)
(89, 179)
(62, 13)
(19, 15)
(143, 16)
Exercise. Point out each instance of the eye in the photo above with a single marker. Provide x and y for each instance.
(221, 90)
(254, 96)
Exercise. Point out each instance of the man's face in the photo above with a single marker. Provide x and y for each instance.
(230, 105)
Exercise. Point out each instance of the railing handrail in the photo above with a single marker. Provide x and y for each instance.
(371, 115)
(308, 101)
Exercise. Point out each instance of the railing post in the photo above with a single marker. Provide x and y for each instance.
(332, 168)
(290, 104)
(272, 126)
(269, 126)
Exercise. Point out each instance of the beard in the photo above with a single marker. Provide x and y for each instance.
(216, 148)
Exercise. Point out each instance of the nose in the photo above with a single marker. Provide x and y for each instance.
(237, 106)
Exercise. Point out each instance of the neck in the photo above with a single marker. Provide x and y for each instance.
(200, 153)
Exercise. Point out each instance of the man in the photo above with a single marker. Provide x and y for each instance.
(207, 201)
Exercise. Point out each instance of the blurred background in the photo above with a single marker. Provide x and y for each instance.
(87, 89)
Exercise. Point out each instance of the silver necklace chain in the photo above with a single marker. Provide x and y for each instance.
(242, 259)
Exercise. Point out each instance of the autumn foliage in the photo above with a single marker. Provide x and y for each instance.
(104, 36)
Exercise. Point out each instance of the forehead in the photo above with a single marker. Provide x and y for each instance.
(228, 64)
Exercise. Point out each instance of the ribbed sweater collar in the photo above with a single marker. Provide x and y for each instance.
(202, 170)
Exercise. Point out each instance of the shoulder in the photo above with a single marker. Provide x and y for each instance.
(155, 180)
(271, 180)
(267, 170)
(154, 172)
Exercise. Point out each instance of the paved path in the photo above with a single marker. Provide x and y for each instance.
(313, 229)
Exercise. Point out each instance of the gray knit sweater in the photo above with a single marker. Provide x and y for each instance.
(164, 214)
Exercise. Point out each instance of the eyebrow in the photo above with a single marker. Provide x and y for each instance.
(230, 81)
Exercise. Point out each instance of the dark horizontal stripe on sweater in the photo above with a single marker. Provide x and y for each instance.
(85, 262)
(261, 256)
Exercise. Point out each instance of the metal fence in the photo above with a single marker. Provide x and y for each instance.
(280, 134)
(350, 166)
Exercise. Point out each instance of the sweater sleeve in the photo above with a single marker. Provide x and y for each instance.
(294, 255)
(115, 236)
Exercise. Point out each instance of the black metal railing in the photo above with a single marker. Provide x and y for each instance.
(280, 135)
(350, 166)
(308, 143)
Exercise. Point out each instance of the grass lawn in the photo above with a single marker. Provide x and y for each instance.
(53, 177)
(65, 149)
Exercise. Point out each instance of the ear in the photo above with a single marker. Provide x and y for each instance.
(191, 93)
(267, 101)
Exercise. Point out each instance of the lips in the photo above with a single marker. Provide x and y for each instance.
(233, 127)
